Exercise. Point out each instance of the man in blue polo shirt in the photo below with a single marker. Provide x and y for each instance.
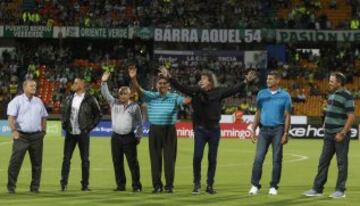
(162, 112)
(273, 117)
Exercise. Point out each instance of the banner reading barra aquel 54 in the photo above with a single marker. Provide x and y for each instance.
(28, 31)
(317, 36)
(207, 35)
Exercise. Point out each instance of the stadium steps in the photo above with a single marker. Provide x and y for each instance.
(336, 16)
(28, 5)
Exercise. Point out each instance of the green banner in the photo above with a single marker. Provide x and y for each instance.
(146, 33)
(207, 35)
(103, 33)
(53, 129)
(317, 36)
(28, 31)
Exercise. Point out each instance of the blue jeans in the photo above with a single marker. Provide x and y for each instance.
(203, 136)
(267, 136)
(330, 148)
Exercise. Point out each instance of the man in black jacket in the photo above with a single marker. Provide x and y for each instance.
(207, 103)
(80, 114)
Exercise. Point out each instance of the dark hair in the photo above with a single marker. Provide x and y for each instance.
(275, 74)
(211, 77)
(340, 77)
(161, 78)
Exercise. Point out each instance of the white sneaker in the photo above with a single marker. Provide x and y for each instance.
(273, 191)
(253, 190)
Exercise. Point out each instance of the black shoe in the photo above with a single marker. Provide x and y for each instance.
(63, 188)
(11, 191)
(196, 190)
(137, 189)
(157, 190)
(34, 190)
(85, 189)
(169, 190)
(210, 190)
(119, 189)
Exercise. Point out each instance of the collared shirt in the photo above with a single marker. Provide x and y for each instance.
(339, 105)
(74, 115)
(273, 106)
(162, 109)
(124, 118)
(28, 113)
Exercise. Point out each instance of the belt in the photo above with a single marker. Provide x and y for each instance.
(272, 127)
(29, 133)
(123, 135)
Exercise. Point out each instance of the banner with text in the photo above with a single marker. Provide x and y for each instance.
(193, 57)
(194, 35)
(53, 128)
(316, 131)
(96, 33)
(317, 36)
(28, 32)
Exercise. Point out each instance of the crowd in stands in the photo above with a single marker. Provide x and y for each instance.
(300, 14)
(305, 72)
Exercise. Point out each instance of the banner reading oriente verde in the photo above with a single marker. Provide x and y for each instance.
(28, 31)
(207, 35)
(103, 33)
(317, 36)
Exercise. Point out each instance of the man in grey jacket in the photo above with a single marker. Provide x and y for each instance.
(127, 130)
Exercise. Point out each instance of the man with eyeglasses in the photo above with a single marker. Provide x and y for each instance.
(127, 130)
(162, 112)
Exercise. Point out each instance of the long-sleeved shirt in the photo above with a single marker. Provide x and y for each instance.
(207, 104)
(125, 118)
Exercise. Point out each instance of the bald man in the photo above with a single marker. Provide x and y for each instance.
(127, 130)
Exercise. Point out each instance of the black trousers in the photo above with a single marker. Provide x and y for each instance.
(125, 145)
(32, 142)
(162, 144)
(331, 147)
(83, 141)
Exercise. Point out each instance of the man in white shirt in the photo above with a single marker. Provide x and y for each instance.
(81, 113)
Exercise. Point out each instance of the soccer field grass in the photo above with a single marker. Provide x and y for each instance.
(232, 178)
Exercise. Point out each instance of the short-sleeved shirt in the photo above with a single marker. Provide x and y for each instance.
(339, 105)
(162, 109)
(273, 106)
(28, 113)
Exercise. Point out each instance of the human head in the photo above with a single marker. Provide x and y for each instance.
(273, 80)
(208, 80)
(29, 87)
(337, 80)
(124, 94)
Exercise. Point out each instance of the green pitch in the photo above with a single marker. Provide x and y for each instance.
(232, 177)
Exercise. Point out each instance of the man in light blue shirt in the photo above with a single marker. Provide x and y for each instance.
(273, 117)
(27, 120)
